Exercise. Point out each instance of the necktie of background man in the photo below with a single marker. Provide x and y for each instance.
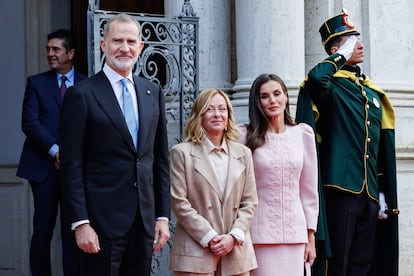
(63, 85)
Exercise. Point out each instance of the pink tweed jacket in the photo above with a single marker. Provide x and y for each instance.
(286, 179)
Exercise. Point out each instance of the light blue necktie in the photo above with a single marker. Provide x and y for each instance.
(129, 113)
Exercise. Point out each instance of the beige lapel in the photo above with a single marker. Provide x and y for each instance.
(236, 167)
(203, 166)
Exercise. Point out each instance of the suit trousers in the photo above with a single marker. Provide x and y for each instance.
(352, 220)
(46, 198)
(127, 256)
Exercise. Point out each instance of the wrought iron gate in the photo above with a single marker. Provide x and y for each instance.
(170, 59)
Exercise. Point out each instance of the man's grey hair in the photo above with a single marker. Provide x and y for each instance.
(122, 17)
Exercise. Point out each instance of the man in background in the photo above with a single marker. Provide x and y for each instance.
(39, 162)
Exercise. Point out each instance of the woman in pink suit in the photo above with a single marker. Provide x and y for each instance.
(285, 164)
(213, 193)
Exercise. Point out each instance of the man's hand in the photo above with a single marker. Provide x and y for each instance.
(162, 235)
(87, 239)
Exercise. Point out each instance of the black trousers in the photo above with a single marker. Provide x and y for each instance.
(46, 198)
(352, 220)
(127, 256)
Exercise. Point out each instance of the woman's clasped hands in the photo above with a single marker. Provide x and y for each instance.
(222, 245)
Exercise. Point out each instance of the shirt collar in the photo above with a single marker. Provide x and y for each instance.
(113, 76)
(354, 69)
(208, 145)
(69, 75)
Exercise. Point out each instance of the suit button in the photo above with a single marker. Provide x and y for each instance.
(210, 207)
(136, 184)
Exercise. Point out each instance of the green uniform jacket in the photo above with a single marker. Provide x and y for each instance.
(354, 123)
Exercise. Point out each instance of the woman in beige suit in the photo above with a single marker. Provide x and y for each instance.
(213, 193)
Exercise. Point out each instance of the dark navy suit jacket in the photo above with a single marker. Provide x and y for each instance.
(40, 124)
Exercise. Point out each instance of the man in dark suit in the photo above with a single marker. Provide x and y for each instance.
(39, 162)
(114, 160)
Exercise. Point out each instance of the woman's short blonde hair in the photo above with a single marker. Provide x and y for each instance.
(194, 130)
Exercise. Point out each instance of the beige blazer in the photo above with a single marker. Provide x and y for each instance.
(199, 207)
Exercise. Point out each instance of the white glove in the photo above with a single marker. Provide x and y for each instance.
(382, 207)
(347, 48)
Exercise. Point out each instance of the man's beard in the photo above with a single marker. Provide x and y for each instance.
(121, 64)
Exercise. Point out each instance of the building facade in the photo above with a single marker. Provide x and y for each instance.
(238, 40)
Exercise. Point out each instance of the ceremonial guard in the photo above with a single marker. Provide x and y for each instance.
(354, 123)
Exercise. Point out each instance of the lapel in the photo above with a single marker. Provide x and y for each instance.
(53, 87)
(105, 97)
(203, 166)
(236, 167)
(145, 110)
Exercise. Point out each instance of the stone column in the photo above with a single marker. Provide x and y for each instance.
(270, 39)
(214, 40)
(388, 38)
(316, 12)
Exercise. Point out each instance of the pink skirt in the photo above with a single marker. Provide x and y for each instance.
(279, 260)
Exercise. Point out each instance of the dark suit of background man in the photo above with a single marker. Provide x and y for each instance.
(39, 161)
(116, 180)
